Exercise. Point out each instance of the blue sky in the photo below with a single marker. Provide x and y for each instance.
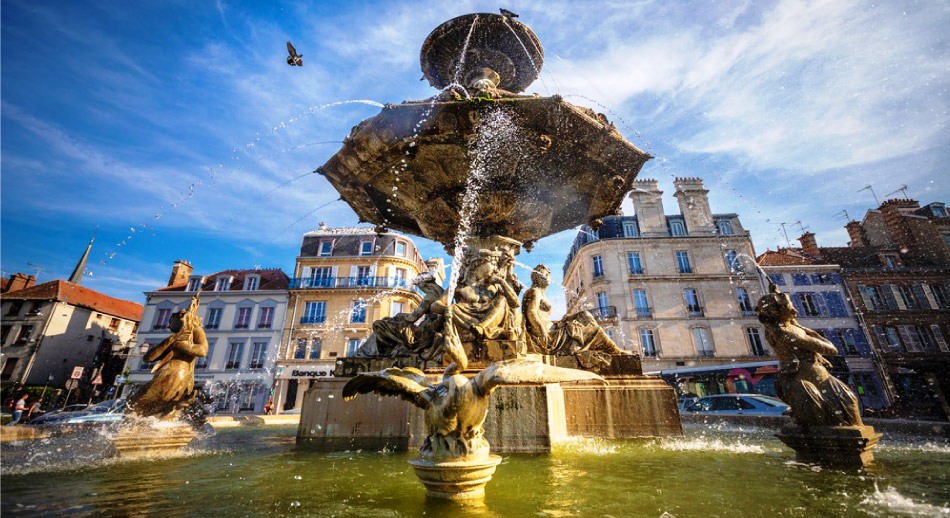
(174, 127)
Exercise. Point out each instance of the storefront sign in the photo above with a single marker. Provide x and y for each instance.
(311, 372)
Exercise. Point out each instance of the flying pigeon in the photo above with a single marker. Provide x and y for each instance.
(508, 14)
(294, 59)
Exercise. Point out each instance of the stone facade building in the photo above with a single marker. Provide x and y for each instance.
(51, 328)
(678, 289)
(344, 280)
(242, 313)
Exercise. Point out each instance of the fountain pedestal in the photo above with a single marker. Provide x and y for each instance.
(832, 445)
(455, 480)
(143, 440)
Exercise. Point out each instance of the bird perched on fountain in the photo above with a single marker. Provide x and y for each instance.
(507, 14)
(455, 408)
(293, 59)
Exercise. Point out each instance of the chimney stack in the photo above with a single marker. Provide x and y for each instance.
(856, 233)
(181, 271)
(810, 244)
(894, 212)
(694, 206)
(20, 281)
(648, 205)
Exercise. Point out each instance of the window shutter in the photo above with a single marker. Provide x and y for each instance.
(909, 336)
(923, 301)
(890, 298)
(941, 340)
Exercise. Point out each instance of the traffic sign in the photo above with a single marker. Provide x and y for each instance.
(77, 373)
(71, 384)
(120, 379)
(97, 380)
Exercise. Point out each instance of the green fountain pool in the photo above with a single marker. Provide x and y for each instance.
(258, 471)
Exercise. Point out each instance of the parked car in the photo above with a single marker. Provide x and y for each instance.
(108, 411)
(738, 404)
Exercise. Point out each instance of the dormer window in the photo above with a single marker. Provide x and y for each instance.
(891, 261)
(326, 248)
(252, 282)
(677, 228)
(194, 283)
(725, 227)
(366, 247)
(222, 283)
(630, 229)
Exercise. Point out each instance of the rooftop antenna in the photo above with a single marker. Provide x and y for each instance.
(788, 244)
(37, 269)
(801, 227)
(868, 188)
(901, 189)
(843, 213)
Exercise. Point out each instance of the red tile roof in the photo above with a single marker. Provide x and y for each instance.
(76, 295)
(785, 257)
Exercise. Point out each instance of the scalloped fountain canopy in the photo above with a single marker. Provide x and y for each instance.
(558, 165)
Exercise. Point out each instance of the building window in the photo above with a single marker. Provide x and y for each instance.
(598, 264)
(4, 333)
(891, 261)
(846, 337)
(890, 339)
(358, 315)
(809, 306)
(396, 308)
(321, 277)
(235, 354)
(24, 334)
(755, 341)
(214, 318)
(251, 282)
(725, 227)
(648, 343)
(364, 276)
(194, 283)
(300, 352)
(258, 355)
(873, 300)
(204, 361)
(222, 283)
(366, 247)
(316, 346)
(161, 318)
(866, 385)
(9, 367)
(732, 261)
(630, 229)
(400, 278)
(243, 320)
(114, 324)
(353, 345)
(634, 263)
(682, 261)
(14, 308)
(777, 278)
(642, 304)
(677, 228)
(744, 301)
(602, 302)
(939, 293)
(401, 248)
(703, 342)
(315, 312)
(925, 338)
(906, 296)
(326, 248)
(266, 321)
(693, 308)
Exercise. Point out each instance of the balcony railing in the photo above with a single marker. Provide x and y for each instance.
(694, 311)
(319, 319)
(604, 313)
(644, 312)
(705, 354)
(348, 282)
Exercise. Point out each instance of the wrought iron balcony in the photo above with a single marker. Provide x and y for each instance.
(694, 311)
(604, 313)
(319, 319)
(348, 282)
(644, 312)
(706, 354)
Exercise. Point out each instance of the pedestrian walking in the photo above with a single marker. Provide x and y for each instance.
(18, 409)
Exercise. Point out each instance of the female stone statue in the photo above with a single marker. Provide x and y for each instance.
(485, 301)
(578, 334)
(173, 387)
(399, 335)
(817, 398)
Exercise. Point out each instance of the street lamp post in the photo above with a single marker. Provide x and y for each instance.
(49, 379)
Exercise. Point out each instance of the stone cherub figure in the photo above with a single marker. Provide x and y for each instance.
(578, 334)
(405, 333)
(817, 398)
(456, 408)
(172, 389)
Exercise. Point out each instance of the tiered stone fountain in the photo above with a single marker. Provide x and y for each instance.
(487, 171)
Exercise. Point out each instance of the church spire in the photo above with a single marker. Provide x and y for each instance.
(76, 277)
